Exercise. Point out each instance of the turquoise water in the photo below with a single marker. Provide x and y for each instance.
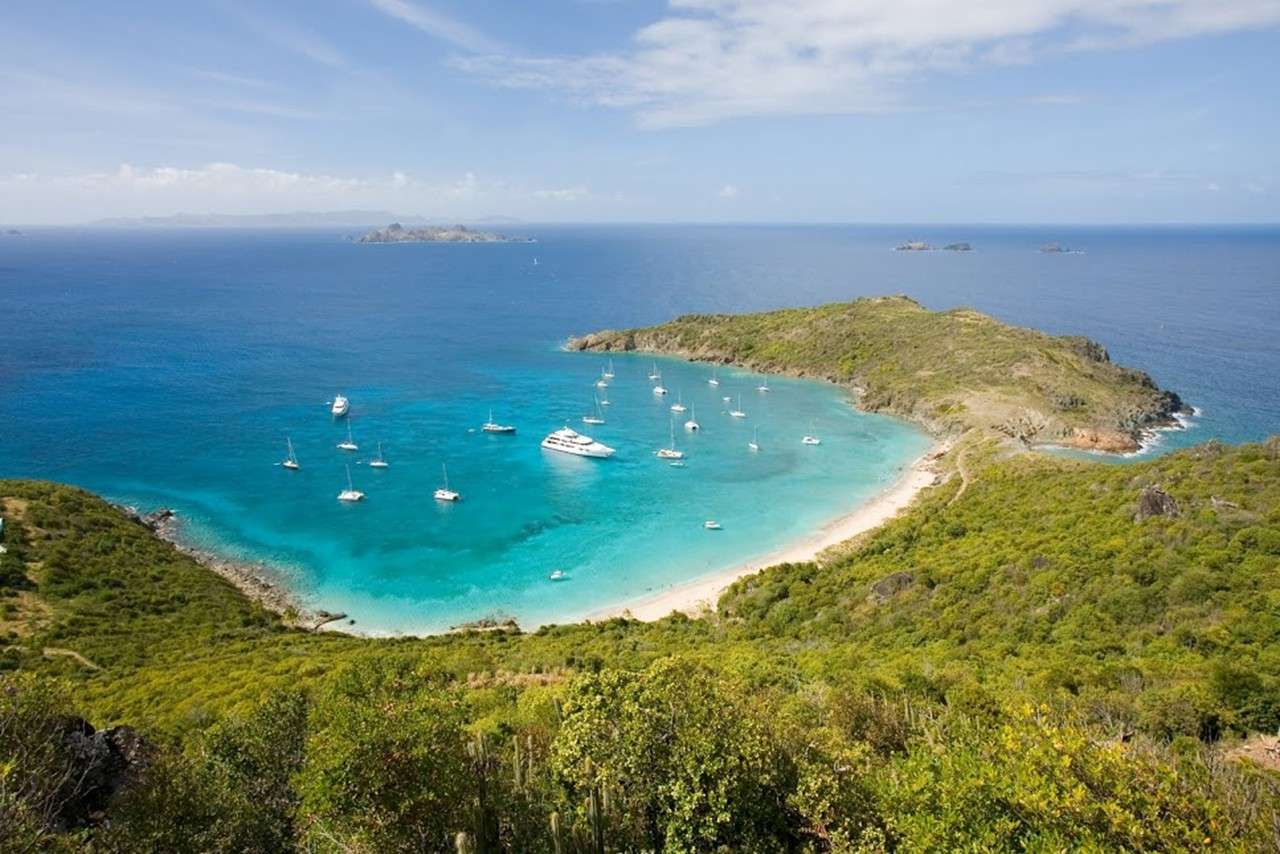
(166, 368)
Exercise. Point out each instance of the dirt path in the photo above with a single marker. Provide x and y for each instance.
(53, 651)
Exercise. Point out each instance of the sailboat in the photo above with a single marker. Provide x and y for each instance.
(350, 493)
(678, 406)
(738, 413)
(596, 416)
(658, 389)
(692, 424)
(714, 381)
(492, 426)
(764, 386)
(349, 444)
(378, 462)
(608, 372)
(754, 444)
(291, 461)
(653, 374)
(444, 493)
(604, 399)
(811, 438)
(670, 452)
(603, 382)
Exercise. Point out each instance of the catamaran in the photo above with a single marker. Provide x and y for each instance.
(350, 493)
(349, 444)
(764, 386)
(692, 424)
(569, 441)
(595, 416)
(291, 461)
(378, 462)
(738, 413)
(754, 444)
(711, 525)
(658, 389)
(492, 426)
(604, 399)
(603, 382)
(608, 372)
(678, 406)
(557, 575)
(340, 406)
(653, 374)
(811, 438)
(670, 452)
(714, 381)
(444, 493)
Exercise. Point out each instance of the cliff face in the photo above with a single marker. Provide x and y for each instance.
(950, 371)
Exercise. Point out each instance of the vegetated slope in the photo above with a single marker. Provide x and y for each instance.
(950, 370)
(999, 672)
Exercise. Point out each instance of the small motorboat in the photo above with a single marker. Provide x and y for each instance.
(492, 426)
(712, 525)
(557, 575)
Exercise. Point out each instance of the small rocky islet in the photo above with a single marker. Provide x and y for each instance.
(397, 233)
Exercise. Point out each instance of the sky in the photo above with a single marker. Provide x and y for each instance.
(1071, 111)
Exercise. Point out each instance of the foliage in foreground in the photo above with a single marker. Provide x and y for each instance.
(1019, 665)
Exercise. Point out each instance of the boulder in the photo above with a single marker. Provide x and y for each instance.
(890, 586)
(1154, 501)
(102, 763)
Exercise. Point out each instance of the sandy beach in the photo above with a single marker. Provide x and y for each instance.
(701, 594)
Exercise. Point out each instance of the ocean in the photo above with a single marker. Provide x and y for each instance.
(167, 367)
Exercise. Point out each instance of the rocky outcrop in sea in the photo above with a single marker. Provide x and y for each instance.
(397, 233)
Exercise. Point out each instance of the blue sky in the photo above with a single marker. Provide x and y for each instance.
(609, 110)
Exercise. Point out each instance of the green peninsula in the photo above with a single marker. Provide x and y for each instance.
(950, 371)
(1040, 654)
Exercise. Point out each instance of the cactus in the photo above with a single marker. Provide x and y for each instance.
(595, 816)
(517, 771)
(555, 831)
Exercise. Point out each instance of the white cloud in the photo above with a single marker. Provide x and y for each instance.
(438, 25)
(565, 194)
(708, 60)
(728, 191)
(228, 188)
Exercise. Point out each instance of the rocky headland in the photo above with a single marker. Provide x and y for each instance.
(951, 372)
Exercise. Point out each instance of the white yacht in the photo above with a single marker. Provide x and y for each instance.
(608, 372)
(727, 398)
(692, 424)
(492, 426)
(653, 374)
(595, 416)
(604, 399)
(714, 381)
(603, 382)
(349, 444)
(378, 462)
(679, 406)
(754, 444)
(350, 493)
(764, 386)
(569, 441)
(670, 452)
(557, 575)
(340, 406)
(738, 413)
(658, 389)
(811, 438)
(291, 461)
(444, 493)
(711, 525)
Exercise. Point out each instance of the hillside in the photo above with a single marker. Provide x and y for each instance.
(1040, 650)
(951, 371)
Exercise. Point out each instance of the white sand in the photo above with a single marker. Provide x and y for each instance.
(700, 595)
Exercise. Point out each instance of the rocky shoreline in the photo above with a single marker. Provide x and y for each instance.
(256, 580)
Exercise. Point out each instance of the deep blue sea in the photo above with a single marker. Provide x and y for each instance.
(166, 367)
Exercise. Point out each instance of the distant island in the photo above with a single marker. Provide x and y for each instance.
(1059, 249)
(397, 233)
(921, 246)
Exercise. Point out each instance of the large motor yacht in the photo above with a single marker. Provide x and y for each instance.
(340, 406)
(570, 441)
